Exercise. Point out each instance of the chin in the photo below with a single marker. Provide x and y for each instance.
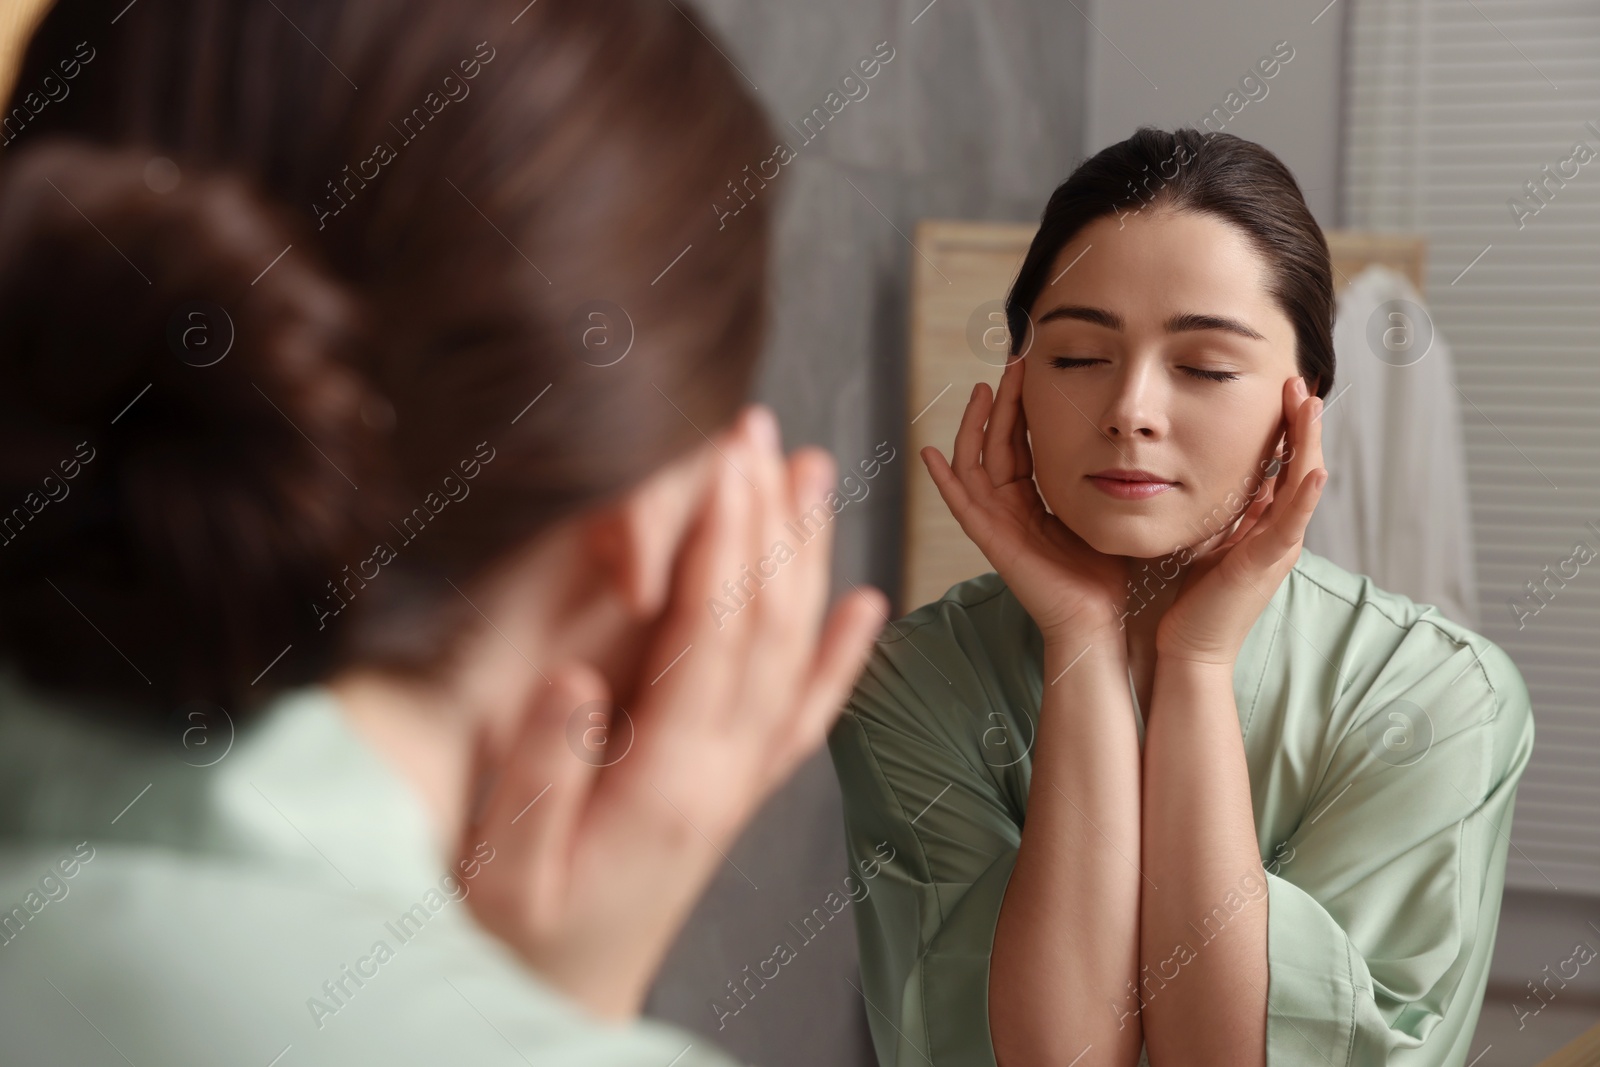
(1136, 537)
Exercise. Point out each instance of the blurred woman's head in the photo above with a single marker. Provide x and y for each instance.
(339, 309)
(1176, 281)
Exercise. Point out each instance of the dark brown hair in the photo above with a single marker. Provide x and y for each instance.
(1217, 174)
(246, 349)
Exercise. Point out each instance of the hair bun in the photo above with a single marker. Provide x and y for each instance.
(184, 461)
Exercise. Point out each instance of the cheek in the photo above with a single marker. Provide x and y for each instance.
(1054, 432)
(1224, 450)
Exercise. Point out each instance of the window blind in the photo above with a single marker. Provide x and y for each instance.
(1476, 123)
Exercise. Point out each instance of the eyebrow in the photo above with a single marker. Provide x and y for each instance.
(1180, 323)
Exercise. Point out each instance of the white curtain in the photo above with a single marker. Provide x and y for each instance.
(1395, 506)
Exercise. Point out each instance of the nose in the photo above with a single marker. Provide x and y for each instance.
(1136, 407)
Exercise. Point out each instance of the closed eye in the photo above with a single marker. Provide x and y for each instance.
(1065, 362)
(1212, 375)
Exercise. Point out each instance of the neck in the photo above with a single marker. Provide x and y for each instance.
(423, 733)
(428, 729)
(1152, 588)
(1153, 593)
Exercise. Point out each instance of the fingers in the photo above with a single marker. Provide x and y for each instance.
(991, 441)
(969, 435)
(534, 809)
(1314, 431)
(811, 473)
(970, 513)
(1299, 485)
(1246, 523)
(1307, 433)
(847, 641)
(944, 479)
(1297, 411)
(769, 509)
(741, 691)
(745, 618)
(1021, 449)
(999, 451)
(965, 482)
(792, 579)
(1262, 496)
(707, 612)
(1288, 532)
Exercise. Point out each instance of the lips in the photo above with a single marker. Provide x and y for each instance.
(1125, 474)
(1130, 484)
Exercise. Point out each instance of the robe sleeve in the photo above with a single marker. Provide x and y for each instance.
(910, 753)
(1383, 908)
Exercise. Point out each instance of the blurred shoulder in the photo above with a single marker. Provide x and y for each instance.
(237, 960)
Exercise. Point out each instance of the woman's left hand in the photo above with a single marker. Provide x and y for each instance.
(1225, 590)
(591, 884)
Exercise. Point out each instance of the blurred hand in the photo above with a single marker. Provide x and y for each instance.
(1065, 585)
(1224, 592)
(597, 867)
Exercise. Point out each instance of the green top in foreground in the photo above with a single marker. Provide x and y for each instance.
(270, 898)
(1384, 744)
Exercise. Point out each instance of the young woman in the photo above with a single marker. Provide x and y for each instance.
(1168, 788)
(371, 446)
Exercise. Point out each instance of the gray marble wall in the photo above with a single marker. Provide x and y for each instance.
(978, 115)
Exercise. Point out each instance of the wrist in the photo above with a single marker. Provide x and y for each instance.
(611, 991)
(1105, 630)
(1190, 665)
(1175, 647)
(1084, 649)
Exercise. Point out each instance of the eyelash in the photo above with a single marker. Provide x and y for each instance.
(1067, 362)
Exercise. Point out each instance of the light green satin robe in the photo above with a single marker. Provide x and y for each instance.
(174, 901)
(1384, 745)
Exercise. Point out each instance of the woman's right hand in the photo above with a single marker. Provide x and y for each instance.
(599, 855)
(1068, 587)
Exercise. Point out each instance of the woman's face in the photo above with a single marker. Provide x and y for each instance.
(1113, 380)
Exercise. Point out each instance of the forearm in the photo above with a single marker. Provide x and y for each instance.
(1204, 926)
(1066, 944)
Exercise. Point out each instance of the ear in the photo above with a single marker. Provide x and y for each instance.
(634, 539)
